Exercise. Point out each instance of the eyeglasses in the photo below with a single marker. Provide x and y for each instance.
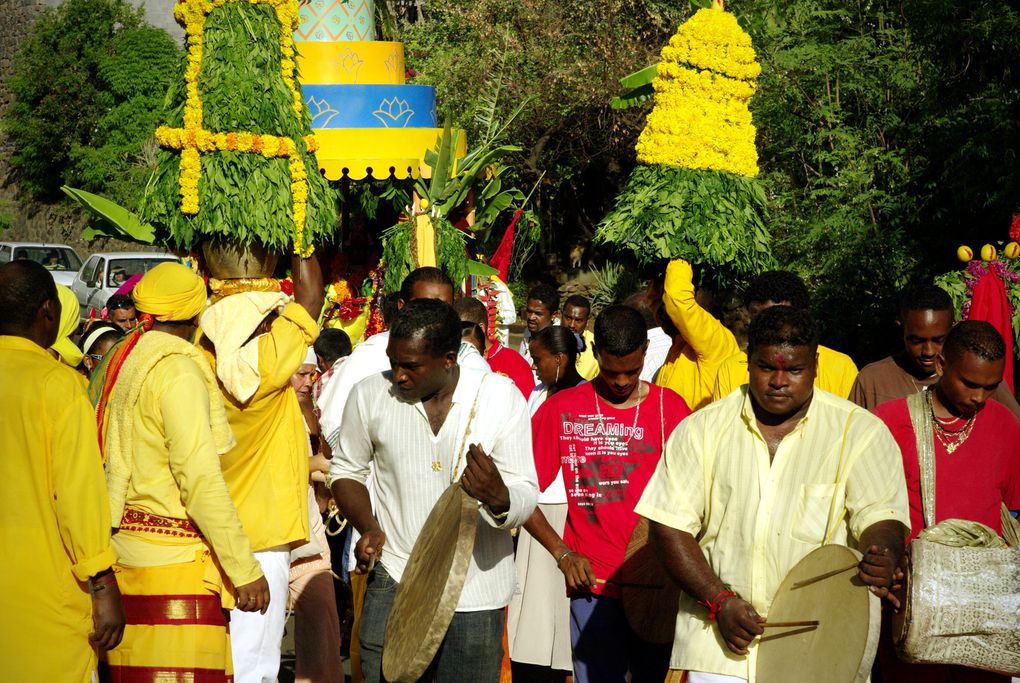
(95, 356)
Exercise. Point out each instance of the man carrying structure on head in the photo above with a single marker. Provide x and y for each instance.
(702, 345)
(183, 556)
(836, 371)
(424, 425)
(733, 504)
(54, 513)
(255, 341)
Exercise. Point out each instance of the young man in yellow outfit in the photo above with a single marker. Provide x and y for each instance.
(183, 557)
(836, 371)
(255, 341)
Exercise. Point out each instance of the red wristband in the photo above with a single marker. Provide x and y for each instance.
(715, 605)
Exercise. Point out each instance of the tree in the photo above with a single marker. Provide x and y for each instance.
(568, 56)
(87, 82)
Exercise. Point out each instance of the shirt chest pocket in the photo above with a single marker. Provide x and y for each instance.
(811, 512)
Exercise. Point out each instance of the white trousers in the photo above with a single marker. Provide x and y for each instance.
(255, 639)
(702, 677)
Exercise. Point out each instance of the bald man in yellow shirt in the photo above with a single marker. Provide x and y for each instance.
(255, 341)
(836, 371)
(54, 514)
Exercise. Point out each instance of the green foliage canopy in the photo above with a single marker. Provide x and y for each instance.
(87, 85)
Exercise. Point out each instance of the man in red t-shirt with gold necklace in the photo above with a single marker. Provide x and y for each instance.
(977, 459)
(607, 437)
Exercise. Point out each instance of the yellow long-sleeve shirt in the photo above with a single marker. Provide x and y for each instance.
(176, 473)
(707, 343)
(267, 471)
(54, 517)
(836, 373)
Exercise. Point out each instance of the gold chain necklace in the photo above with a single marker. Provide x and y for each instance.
(437, 465)
(950, 439)
(637, 410)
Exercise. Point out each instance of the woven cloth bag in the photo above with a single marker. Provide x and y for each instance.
(963, 605)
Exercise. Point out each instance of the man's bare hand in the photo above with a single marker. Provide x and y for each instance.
(879, 570)
(482, 481)
(739, 624)
(368, 550)
(577, 570)
(254, 596)
(107, 616)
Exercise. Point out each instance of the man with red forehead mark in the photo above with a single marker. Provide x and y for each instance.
(753, 482)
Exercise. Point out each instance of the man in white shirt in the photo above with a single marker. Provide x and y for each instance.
(424, 425)
(369, 357)
(658, 341)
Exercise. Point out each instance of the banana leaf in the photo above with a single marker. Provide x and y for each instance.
(114, 219)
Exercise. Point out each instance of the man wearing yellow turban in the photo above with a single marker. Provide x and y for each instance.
(181, 545)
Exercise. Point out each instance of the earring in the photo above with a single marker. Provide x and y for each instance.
(557, 372)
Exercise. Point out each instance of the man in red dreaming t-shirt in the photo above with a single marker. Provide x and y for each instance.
(607, 437)
(978, 474)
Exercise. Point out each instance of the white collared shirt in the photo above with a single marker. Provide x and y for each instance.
(394, 436)
(659, 344)
(368, 358)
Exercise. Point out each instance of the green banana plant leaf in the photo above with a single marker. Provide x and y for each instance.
(114, 219)
(479, 269)
(639, 88)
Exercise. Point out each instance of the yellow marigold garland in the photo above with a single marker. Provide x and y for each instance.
(702, 88)
(193, 140)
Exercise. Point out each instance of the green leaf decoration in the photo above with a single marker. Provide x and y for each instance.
(244, 198)
(115, 220)
(639, 88)
(451, 253)
(711, 218)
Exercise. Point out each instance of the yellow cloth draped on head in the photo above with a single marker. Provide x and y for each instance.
(170, 292)
(69, 319)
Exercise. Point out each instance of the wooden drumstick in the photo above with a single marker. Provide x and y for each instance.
(786, 624)
(826, 575)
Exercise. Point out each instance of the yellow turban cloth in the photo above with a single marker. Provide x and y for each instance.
(69, 320)
(170, 292)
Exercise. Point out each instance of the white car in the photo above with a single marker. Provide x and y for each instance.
(103, 274)
(61, 260)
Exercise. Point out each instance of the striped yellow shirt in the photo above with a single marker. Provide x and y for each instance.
(837, 473)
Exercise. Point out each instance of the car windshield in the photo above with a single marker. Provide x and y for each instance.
(121, 270)
(54, 258)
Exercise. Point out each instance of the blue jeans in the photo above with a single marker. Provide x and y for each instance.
(606, 648)
(471, 652)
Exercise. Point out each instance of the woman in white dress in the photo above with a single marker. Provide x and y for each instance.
(539, 614)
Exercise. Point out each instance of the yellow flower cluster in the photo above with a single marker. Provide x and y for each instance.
(712, 39)
(193, 140)
(702, 88)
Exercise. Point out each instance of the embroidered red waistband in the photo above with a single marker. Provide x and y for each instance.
(134, 519)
